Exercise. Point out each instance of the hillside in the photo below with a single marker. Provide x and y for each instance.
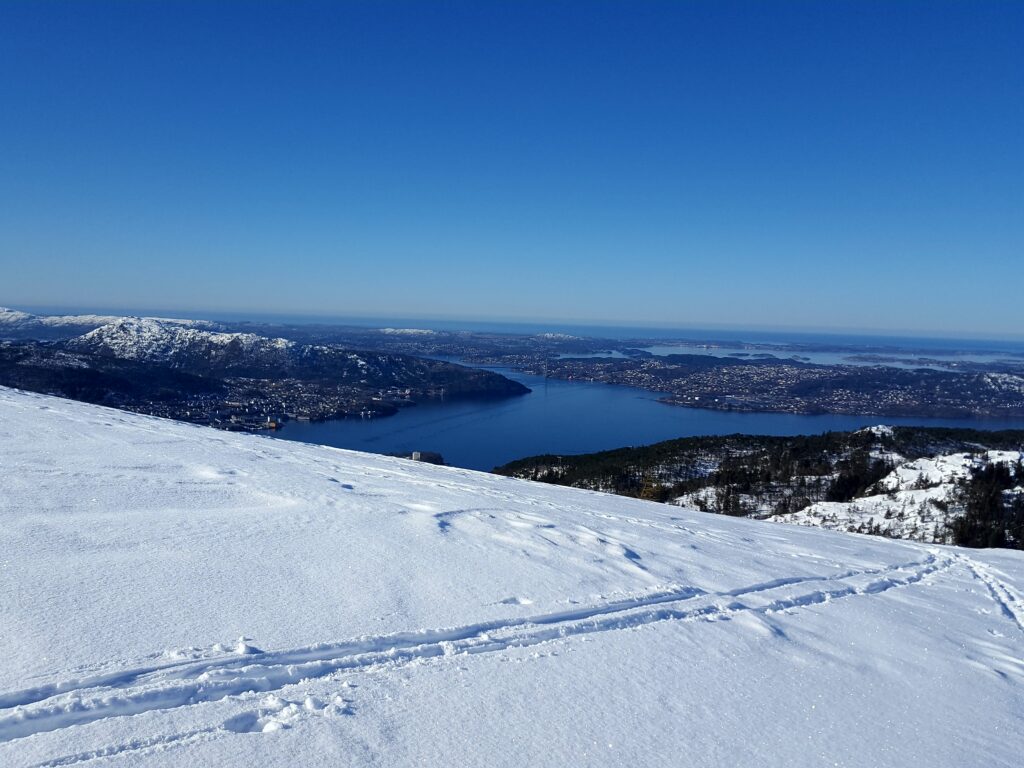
(146, 339)
(942, 499)
(931, 484)
(183, 596)
(212, 353)
(185, 370)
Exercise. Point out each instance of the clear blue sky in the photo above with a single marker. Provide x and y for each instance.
(826, 165)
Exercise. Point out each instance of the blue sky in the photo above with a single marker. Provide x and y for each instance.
(823, 165)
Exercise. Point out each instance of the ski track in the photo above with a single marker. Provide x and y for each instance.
(141, 746)
(1011, 605)
(179, 684)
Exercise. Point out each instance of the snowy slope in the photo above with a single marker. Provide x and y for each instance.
(172, 595)
(918, 502)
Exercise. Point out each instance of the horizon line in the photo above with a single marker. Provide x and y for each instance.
(310, 318)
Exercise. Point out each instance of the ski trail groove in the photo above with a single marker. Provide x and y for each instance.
(142, 746)
(144, 689)
(1011, 605)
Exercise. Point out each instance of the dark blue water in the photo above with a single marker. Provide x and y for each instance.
(567, 417)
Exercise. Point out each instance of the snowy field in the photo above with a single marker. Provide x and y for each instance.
(173, 595)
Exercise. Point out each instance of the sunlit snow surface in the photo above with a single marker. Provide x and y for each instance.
(174, 595)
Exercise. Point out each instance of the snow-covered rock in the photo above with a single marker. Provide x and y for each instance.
(175, 596)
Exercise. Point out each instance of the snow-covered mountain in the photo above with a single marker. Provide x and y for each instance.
(153, 340)
(176, 596)
(22, 325)
(16, 325)
(217, 353)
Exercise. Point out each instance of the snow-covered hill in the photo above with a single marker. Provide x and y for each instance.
(172, 595)
(22, 325)
(216, 354)
(918, 499)
(153, 340)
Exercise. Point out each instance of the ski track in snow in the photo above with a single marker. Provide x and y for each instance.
(630, 568)
(142, 746)
(1011, 605)
(180, 684)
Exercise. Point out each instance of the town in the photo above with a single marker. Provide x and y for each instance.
(785, 386)
(265, 404)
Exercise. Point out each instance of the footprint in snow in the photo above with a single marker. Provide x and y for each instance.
(277, 714)
(243, 647)
(516, 601)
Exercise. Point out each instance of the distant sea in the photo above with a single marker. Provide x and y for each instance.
(857, 342)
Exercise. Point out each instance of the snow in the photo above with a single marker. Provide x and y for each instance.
(15, 321)
(179, 596)
(407, 331)
(943, 469)
(10, 316)
(17, 324)
(918, 498)
(160, 340)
